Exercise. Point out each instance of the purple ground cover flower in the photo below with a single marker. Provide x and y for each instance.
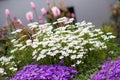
(45, 72)
(110, 70)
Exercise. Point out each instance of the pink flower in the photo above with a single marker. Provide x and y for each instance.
(32, 4)
(19, 21)
(29, 16)
(47, 2)
(43, 11)
(55, 11)
(115, 6)
(40, 20)
(73, 15)
(14, 17)
(7, 13)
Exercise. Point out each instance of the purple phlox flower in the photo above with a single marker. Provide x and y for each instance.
(45, 72)
(110, 70)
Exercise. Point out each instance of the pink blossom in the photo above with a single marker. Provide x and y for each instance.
(14, 17)
(7, 13)
(43, 11)
(115, 6)
(19, 21)
(55, 11)
(32, 4)
(73, 15)
(40, 20)
(47, 2)
(29, 16)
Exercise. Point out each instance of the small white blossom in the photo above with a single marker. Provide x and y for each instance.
(13, 40)
(43, 51)
(13, 69)
(14, 50)
(35, 44)
(29, 42)
(34, 57)
(111, 37)
(18, 30)
(23, 47)
(73, 65)
(80, 56)
(18, 45)
(2, 71)
(34, 52)
(40, 57)
(78, 62)
(73, 57)
(61, 57)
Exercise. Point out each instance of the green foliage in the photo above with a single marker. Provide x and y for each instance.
(86, 75)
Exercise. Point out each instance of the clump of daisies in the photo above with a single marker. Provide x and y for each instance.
(61, 40)
(7, 65)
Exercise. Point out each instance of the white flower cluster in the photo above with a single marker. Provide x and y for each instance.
(2, 72)
(64, 41)
(17, 31)
(5, 61)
